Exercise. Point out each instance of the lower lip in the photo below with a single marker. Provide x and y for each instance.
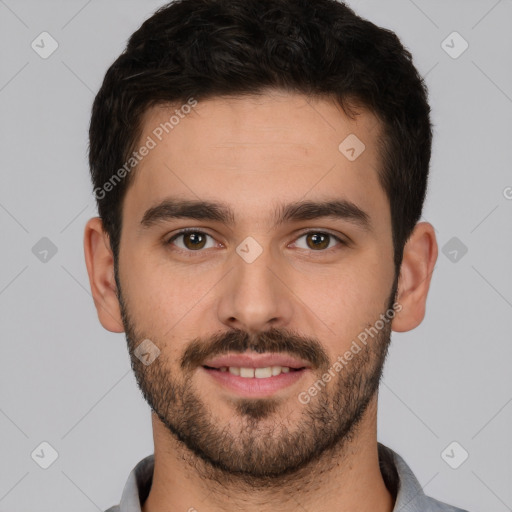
(254, 387)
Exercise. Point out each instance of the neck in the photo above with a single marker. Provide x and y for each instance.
(346, 478)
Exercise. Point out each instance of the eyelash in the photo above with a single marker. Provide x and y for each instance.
(193, 230)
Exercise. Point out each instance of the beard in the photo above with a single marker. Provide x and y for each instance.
(257, 446)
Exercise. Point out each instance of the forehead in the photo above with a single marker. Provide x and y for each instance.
(257, 153)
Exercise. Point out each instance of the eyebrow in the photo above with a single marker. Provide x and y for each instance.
(173, 208)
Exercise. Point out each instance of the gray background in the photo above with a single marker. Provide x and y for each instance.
(67, 381)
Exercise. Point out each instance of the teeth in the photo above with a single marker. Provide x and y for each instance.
(263, 373)
(258, 373)
(276, 370)
(246, 372)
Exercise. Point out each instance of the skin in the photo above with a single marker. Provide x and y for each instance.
(253, 153)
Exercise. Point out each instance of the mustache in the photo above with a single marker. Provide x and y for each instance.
(238, 341)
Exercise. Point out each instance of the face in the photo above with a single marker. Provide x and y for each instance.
(286, 260)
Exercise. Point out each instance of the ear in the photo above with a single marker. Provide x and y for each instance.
(100, 267)
(419, 259)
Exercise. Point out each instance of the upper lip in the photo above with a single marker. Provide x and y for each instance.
(256, 361)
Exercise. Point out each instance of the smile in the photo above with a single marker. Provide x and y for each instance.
(257, 373)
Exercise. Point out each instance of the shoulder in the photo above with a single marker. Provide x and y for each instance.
(439, 506)
(401, 481)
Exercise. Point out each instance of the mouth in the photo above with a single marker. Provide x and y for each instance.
(255, 375)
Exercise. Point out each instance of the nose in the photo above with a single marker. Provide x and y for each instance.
(254, 296)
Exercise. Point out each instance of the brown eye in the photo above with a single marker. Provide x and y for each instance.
(318, 241)
(190, 240)
(194, 240)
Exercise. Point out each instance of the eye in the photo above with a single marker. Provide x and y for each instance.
(319, 240)
(192, 240)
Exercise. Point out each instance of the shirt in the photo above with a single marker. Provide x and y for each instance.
(398, 477)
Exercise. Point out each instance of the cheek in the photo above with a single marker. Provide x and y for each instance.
(163, 296)
(345, 298)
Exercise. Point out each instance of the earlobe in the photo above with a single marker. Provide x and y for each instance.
(100, 267)
(419, 259)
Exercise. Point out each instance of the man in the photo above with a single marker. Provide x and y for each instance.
(260, 168)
